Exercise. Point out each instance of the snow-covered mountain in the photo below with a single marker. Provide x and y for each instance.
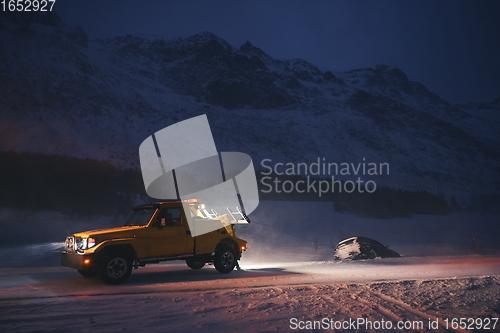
(61, 93)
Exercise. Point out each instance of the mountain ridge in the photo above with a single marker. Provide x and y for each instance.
(62, 93)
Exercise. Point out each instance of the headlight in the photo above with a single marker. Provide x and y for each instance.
(70, 243)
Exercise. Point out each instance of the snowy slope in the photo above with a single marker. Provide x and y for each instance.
(61, 93)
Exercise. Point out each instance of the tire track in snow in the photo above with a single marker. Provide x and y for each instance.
(370, 305)
(406, 307)
(385, 311)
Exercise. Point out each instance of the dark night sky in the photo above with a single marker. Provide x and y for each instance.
(453, 47)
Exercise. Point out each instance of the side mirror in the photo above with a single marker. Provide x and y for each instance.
(157, 224)
(161, 223)
(385, 245)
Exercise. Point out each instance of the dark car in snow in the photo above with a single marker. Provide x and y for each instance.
(362, 248)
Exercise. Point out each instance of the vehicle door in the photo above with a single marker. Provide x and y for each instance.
(168, 234)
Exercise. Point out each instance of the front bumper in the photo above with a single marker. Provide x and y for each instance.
(78, 261)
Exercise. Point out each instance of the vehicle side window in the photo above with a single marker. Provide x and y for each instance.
(367, 241)
(374, 243)
(169, 217)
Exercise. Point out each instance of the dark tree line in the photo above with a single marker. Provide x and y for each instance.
(34, 181)
(385, 202)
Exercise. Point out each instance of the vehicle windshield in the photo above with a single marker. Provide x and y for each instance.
(140, 216)
(369, 241)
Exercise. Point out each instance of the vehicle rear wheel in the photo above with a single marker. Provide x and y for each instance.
(115, 268)
(372, 254)
(195, 264)
(225, 260)
(88, 272)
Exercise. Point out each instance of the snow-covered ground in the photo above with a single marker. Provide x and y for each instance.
(259, 298)
(286, 273)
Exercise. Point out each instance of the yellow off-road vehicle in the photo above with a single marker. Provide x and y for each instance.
(152, 234)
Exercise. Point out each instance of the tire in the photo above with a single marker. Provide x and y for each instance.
(88, 272)
(225, 260)
(194, 264)
(115, 268)
(372, 254)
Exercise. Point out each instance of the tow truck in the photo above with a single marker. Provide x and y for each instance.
(155, 233)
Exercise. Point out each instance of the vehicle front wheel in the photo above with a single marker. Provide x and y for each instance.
(194, 264)
(88, 272)
(372, 254)
(115, 268)
(225, 260)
